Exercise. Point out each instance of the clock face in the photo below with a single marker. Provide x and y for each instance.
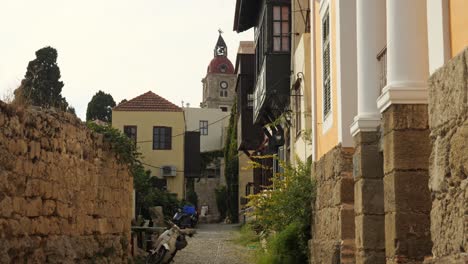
(220, 51)
(223, 85)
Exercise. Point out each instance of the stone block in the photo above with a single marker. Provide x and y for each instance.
(411, 192)
(458, 158)
(370, 257)
(369, 196)
(448, 92)
(346, 190)
(367, 138)
(40, 226)
(370, 232)
(439, 168)
(371, 161)
(33, 207)
(48, 207)
(405, 117)
(406, 150)
(19, 204)
(6, 206)
(347, 222)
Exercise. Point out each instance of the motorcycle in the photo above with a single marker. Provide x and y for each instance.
(186, 217)
(167, 245)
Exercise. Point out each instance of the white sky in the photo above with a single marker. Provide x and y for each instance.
(123, 47)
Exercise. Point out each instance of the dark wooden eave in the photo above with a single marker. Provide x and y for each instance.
(246, 14)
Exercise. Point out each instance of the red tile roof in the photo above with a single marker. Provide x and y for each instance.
(148, 102)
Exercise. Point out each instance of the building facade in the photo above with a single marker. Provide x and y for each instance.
(158, 128)
(358, 109)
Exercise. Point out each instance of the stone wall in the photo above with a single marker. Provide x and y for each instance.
(407, 203)
(205, 189)
(448, 120)
(333, 211)
(369, 199)
(63, 196)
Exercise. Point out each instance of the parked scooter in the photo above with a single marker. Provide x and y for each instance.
(167, 245)
(186, 217)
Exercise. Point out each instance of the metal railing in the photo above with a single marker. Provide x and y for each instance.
(382, 58)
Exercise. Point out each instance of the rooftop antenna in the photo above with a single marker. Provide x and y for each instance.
(182, 103)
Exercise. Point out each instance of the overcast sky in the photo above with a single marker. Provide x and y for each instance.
(123, 47)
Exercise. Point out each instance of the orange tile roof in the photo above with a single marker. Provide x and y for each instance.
(148, 101)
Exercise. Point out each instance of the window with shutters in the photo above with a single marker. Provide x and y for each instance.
(162, 138)
(326, 64)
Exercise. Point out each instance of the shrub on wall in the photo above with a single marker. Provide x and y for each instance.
(283, 212)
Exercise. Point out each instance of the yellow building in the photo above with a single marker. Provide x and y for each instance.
(158, 127)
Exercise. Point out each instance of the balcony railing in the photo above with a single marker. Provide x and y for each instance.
(382, 58)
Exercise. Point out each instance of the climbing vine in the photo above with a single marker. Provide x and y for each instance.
(232, 167)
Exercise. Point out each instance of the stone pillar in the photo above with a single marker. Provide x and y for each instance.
(406, 143)
(367, 160)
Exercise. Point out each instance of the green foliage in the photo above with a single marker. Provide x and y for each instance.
(286, 247)
(41, 85)
(248, 237)
(222, 201)
(124, 147)
(231, 159)
(209, 157)
(285, 210)
(147, 195)
(100, 107)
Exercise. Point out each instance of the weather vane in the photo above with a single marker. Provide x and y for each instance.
(220, 31)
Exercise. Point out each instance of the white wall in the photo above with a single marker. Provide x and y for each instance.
(217, 121)
(438, 33)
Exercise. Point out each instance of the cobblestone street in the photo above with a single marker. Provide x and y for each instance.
(214, 244)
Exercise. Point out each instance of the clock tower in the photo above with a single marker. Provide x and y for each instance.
(219, 82)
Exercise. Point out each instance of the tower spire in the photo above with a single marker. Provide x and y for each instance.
(220, 48)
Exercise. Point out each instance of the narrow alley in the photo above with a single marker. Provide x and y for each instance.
(214, 244)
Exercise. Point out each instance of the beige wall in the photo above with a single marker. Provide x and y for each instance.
(158, 158)
(458, 25)
(300, 138)
(326, 138)
(216, 137)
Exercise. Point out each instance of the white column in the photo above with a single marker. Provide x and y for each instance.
(407, 54)
(371, 39)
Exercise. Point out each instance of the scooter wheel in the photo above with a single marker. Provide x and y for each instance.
(157, 257)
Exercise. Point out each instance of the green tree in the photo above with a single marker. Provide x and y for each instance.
(100, 107)
(41, 85)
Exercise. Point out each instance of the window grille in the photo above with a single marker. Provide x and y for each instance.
(382, 58)
(281, 28)
(203, 127)
(162, 138)
(250, 100)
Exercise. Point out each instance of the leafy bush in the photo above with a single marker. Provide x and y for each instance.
(286, 247)
(284, 213)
